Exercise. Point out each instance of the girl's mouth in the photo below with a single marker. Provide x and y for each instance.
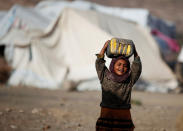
(120, 71)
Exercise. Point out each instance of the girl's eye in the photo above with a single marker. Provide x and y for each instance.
(125, 65)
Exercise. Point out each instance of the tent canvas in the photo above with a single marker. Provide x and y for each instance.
(66, 50)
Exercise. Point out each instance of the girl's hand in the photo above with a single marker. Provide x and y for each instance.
(104, 48)
(135, 52)
(106, 44)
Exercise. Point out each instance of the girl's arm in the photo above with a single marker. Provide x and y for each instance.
(100, 62)
(136, 67)
(135, 53)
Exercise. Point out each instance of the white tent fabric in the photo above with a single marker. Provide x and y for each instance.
(2, 14)
(27, 19)
(180, 56)
(52, 8)
(64, 47)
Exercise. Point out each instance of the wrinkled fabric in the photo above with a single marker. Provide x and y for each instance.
(167, 28)
(115, 120)
(172, 43)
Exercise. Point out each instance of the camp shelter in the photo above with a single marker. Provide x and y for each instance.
(52, 9)
(65, 49)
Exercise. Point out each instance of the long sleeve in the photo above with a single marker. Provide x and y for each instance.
(136, 69)
(100, 66)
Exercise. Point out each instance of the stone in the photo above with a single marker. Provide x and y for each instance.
(35, 110)
(13, 126)
(21, 111)
(46, 127)
(8, 109)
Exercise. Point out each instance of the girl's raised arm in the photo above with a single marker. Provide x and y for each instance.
(100, 62)
(136, 67)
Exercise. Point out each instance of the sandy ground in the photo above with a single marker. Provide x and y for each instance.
(31, 109)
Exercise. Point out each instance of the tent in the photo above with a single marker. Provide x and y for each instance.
(47, 51)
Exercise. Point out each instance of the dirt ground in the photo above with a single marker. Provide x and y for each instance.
(31, 109)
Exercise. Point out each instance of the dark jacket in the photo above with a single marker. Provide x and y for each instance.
(114, 94)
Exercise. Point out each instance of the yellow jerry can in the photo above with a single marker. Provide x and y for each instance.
(120, 47)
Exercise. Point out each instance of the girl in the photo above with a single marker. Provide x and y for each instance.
(116, 83)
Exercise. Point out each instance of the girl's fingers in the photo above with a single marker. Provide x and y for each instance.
(106, 43)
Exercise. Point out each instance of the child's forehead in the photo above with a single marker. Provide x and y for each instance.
(121, 61)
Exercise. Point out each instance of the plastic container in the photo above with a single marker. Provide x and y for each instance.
(120, 47)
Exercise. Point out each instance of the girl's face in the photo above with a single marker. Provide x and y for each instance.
(120, 67)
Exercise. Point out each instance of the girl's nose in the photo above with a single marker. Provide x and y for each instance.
(121, 67)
